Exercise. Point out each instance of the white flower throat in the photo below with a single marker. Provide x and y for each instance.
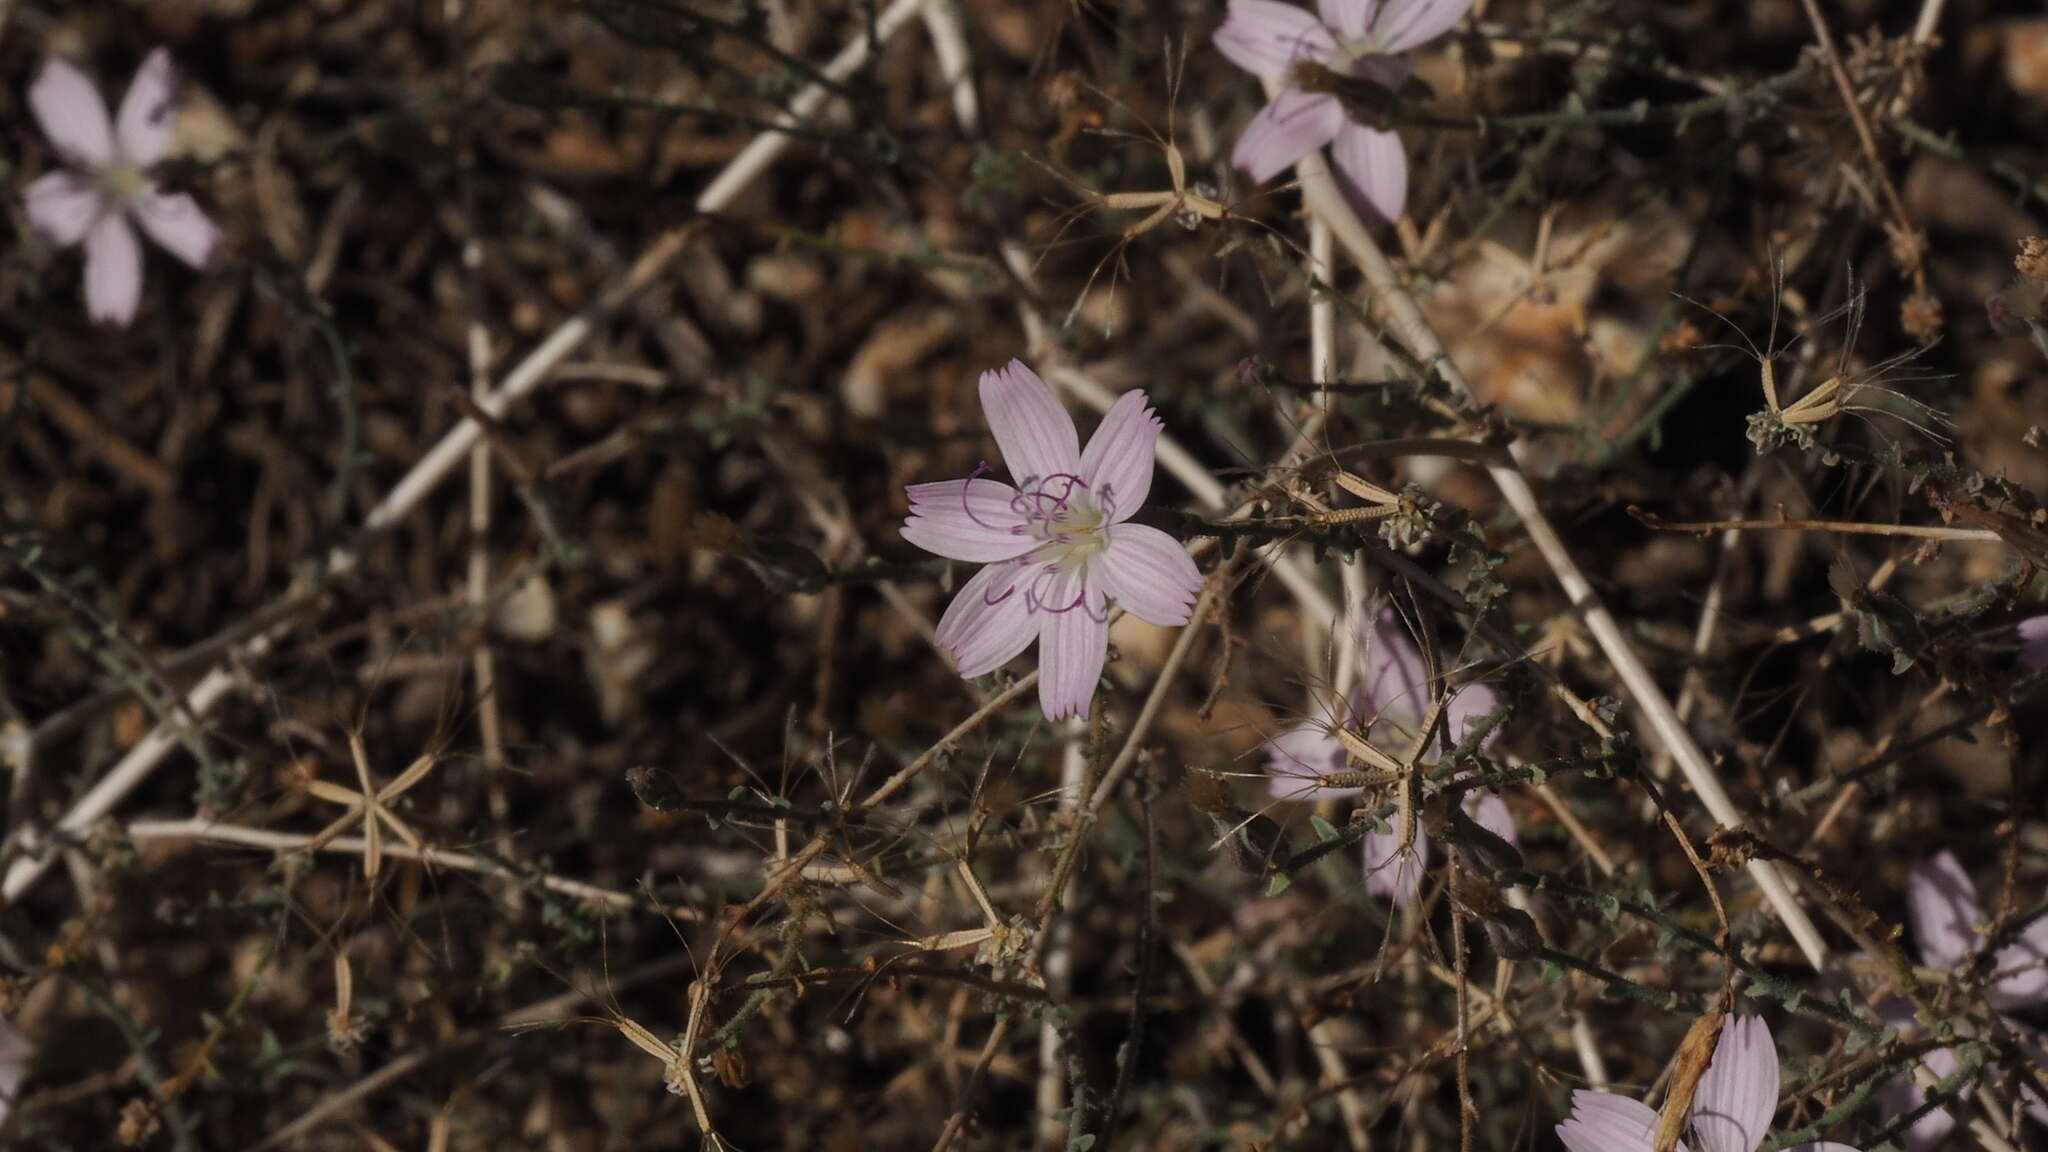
(1065, 515)
(121, 182)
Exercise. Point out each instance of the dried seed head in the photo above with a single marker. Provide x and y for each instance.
(2032, 261)
(345, 1033)
(1921, 317)
(345, 1030)
(138, 1124)
(644, 1040)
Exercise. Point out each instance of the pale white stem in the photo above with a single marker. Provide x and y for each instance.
(245, 837)
(1059, 960)
(1589, 1053)
(1930, 17)
(956, 67)
(442, 459)
(130, 771)
(1323, 356)
(1320, 192)
(763, 149)
(1322, 366)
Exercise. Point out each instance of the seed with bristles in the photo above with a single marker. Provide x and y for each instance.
(644, 1040)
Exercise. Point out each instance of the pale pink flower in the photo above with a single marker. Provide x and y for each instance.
(1394, 698)
(1356, 38)
(2034, 641)
(1941, 906)
(1731, 1108)
(106, 181)
(1059, 545)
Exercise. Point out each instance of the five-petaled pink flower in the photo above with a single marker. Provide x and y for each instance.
(1731, 1107)
(1355, 38)
(106, 181)
(1059, 544)
(1941, 905)
(1394, 698)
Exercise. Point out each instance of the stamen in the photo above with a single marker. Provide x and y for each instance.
(967, 506)
(1008, 592)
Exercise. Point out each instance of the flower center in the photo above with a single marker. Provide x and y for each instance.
(1066, 516)
(121, 182)
(1364, 59)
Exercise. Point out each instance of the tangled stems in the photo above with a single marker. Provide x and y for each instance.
(1761, 980)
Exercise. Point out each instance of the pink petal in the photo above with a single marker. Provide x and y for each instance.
(1941, 905)
(1149, 573)
(1389, 72)
(1603, 1122)
(174, 221)
(1467, 706)
(1732, 1108)
(1035, 434)
(149, 113)
(72, 114)
(1295, 124)
(1072, 644)
(64, 205)
(974, 520)
(1117, 464)
(1823, 1146)
(1901, 1095)
(1348, 19)
(1375, 164)
(988, 623)
(1265, 38)
(1491, 813)
(113, 270)
(1301, 754)
(2034, 641)
(1396, 691)
(2021, 968)
(1403, 24)
(1390, 873)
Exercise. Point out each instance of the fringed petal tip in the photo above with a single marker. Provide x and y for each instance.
(1604, 1122)
(1034, 432)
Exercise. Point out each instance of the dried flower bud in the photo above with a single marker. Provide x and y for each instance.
(1512, 933)
(731, 1066)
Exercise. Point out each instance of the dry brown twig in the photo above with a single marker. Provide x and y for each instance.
(214, 832)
